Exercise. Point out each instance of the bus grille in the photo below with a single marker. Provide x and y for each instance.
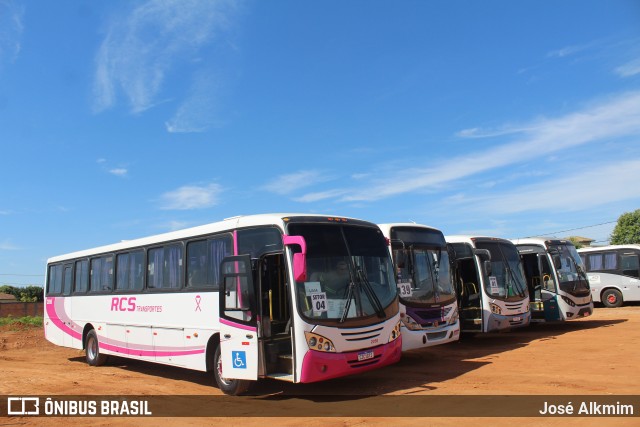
(514, 306)
(362, 335)
(434, 336)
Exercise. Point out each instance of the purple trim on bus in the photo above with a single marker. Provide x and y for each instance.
(238, 325)
(426, 315)
(57, 315)
(320, 366)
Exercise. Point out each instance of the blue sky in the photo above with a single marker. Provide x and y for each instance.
(121, 119)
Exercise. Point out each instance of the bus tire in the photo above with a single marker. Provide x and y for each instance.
(227, 386)
(612, 298)
(92, 348)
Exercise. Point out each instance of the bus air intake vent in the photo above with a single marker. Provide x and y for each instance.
(362, 335)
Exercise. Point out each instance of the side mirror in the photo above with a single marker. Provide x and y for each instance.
(483, 254)
(400, 259)
(300, 258)
(557, 262)
(487, 267)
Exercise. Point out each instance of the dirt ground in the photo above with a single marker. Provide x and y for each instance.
(599, 355)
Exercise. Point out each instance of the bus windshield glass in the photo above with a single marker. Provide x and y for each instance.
(422, 260)
(349, 273)
(506, 281)
(571, 274)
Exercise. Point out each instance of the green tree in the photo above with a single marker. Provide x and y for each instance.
(575, 242)
(627, 230)
(31, 294)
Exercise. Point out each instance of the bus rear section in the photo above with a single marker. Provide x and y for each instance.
(556, 279)
(614, 273)
(490, 284)
(428, 306)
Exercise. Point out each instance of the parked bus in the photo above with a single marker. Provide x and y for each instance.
(556, 279)
(492, 292)
(613, 273)
(428, 308)
(300, 298)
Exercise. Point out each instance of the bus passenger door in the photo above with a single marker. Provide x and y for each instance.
(549, 292)
(238, 320)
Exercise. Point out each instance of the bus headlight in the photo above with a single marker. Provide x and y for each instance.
(409, 323)
(395, 333)
(454, 317)
(569, 301)
(319, 343)
(495, 309)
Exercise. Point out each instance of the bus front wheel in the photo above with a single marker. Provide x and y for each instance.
(612, 298)
(94, 357)
(229, 386)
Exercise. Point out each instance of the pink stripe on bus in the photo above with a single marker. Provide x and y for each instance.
(238, 325)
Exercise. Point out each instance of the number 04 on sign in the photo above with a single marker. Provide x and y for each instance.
(319, 302)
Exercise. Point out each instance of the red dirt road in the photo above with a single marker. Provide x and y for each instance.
(599, 355)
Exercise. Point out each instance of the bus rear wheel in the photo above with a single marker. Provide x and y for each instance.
(92, 347)
(612, 298)
(229, 386)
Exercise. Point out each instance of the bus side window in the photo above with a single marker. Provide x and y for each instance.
(630, 265)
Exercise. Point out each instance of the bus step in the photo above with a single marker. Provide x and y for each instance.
(281, 377)
(285, 363)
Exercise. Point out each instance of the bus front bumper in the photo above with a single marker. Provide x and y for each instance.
(498, 322)
(320, 366)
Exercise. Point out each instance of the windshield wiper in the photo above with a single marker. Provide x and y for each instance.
(370, 293)
(580, 273)
(347, 306)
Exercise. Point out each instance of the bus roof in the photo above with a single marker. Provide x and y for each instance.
(201, 230)
(388, 226)
(467, 238)
(541, 241)
(608, 248)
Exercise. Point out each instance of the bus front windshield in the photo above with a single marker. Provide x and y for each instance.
(349, 273)
(571, 271)
(506, 281)
(427, 271)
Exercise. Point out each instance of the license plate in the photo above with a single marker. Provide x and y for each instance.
(364, 355)
(517, 319)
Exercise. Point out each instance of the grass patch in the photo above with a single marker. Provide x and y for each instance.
(35, 321)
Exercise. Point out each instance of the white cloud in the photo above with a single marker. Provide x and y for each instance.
(6, 245)
(140, 49)
(11, 29)
(191, 197)
(629, 69)
(321, 195)
(616, 117)
(601, 185)
(119, 172)
(198, 111)
(287, 184)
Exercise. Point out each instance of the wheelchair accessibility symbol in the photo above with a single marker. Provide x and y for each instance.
(239, 359)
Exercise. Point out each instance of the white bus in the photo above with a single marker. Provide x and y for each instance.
(613, 273)
(428, 308)
(492, 292)
(556, 279)
(245, 298)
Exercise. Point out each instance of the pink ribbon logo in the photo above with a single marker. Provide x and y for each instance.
(198, 299)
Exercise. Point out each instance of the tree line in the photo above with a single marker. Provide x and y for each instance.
(27, 294)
